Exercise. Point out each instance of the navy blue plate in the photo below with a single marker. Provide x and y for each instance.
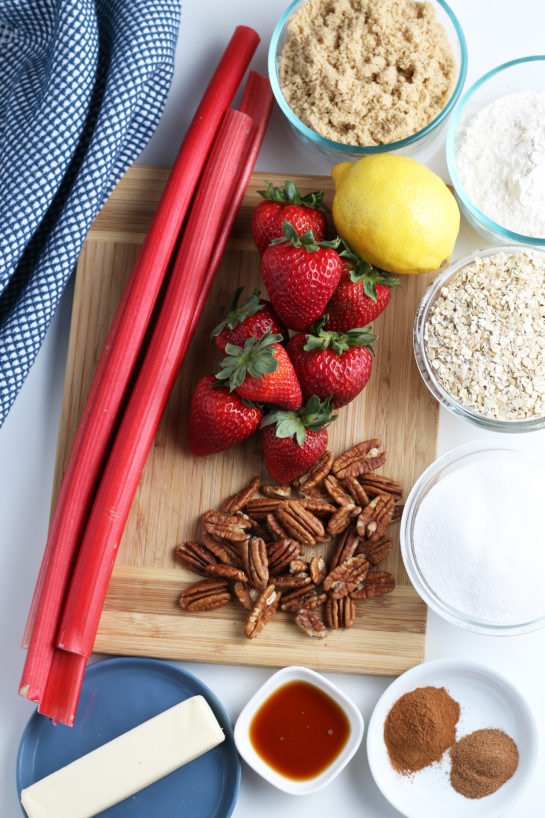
(118, 694)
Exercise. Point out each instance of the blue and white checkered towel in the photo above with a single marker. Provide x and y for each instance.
(82, 86)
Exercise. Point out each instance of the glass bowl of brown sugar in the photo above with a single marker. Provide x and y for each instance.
(345, 101)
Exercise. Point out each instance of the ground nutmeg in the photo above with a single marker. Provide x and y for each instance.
(420, 726)
(482, 761)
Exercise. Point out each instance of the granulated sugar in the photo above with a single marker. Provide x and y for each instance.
(479, 538)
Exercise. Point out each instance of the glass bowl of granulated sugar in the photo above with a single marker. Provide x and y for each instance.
(370, 76)
(473, 540)
(496, 153)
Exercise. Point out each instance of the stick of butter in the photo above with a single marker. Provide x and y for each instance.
(126, 764)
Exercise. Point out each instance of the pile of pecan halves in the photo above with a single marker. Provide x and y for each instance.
(255, 548)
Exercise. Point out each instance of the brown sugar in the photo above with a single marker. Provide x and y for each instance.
(420, 726)
(366, 72)
(482, 762)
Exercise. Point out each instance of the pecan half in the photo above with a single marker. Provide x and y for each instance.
(376, 517)
(375, 549)
(257, 530)
(282, 492)
(334, 488)
(296, 599)
(219, 569)
(377, 484)
(340, 521)
(356, 490)
(346, 548)
(361, 458)
(317, 507)
(255, 562)
(317, 493)
(205, 595)
(292, 580)
(398, 513)
(223, 551)
(238, 500)
(298, 566)
(262, 611)
(374, 584)
(343, 579)
(300, 523)
(245, 595)
(317, 472)
(261, 506)
(340, 613)
(276, 529)
(226, 526)
(195, 556)
(280, 554)
(317, 570)
(310, 623)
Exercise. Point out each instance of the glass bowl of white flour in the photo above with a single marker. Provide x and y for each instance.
(473, 540)
(496, 153)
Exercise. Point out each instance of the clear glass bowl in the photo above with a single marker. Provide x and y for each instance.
(433, 474)
(426, 370)
(339, 152)
(525, 74)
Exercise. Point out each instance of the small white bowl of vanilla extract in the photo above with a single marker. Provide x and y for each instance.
(298, 731)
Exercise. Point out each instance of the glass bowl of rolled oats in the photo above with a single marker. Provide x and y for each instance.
(479, 338)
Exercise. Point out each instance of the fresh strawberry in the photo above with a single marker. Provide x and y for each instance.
(219, 419)
(294, 441)
(261, 371)
(254, 317)
(301, 274)
(287, 203)
(361, 296)
(332, 363)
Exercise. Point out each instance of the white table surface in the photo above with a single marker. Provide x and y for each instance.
(496, 31)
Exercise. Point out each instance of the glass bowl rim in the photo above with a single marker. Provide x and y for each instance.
(419, 348)
(486, 221)
(364, 150)
(427, 479)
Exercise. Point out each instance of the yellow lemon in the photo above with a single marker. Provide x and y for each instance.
(395, 213)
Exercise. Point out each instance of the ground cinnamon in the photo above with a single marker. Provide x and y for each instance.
(420, 727)
(482, 762)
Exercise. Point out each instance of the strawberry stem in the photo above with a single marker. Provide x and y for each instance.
(255, 358)
(368, 275)
(237, 315)
(314, 416)
(339, 342)
(306, 240)
(290, 195)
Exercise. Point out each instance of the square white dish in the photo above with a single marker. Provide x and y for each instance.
(487, 700)
(249, 754)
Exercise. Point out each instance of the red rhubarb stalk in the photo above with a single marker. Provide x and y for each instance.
(163, 358)
(116, 365)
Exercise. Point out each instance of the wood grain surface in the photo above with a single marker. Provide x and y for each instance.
(141, 616)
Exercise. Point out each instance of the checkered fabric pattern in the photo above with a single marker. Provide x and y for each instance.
(82, 86)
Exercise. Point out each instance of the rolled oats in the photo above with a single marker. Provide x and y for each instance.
(485, 336)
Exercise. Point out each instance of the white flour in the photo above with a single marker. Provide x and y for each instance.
(479, 539)
(501, 162)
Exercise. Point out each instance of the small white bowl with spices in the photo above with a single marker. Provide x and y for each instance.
(487, 702)
(479, 338)
(472, 537)
(341, 74)
(495, 152)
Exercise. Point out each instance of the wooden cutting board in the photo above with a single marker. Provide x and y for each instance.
(141, 616)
